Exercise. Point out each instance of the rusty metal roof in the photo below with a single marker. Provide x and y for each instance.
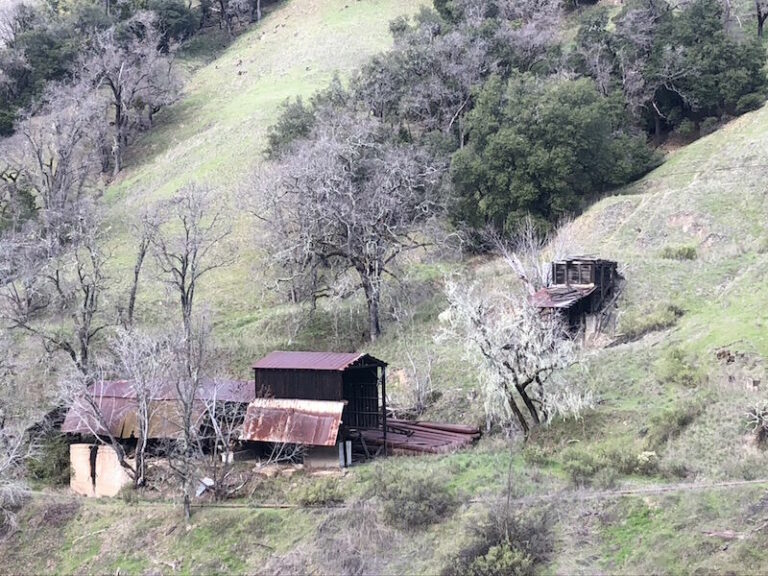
(224, 390)
(335, 361)
(116, 404)
(117, 416)
(289, 421)
(560, 296)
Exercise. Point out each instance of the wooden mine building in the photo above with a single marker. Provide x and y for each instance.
(579, 287)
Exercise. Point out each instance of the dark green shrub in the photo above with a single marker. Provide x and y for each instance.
(321, 493)
(506, 543)
(51, 466)
(414, 499)
(634, 325)
(582, 466)
(750, 102)
(679, 253)
(686, 129)
(501, 560)
(709, 125)
(536, 455)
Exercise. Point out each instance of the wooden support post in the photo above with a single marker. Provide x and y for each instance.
(384, 405)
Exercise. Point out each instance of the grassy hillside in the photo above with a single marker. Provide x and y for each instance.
(659, 477)
(216, 134)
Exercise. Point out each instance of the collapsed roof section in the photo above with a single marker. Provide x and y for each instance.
(111, 408)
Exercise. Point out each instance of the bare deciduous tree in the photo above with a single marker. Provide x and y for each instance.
(186, 453)
(58, 300)
(223, 426)
(137, 77)
(518, 353)
(348, 199)
(16, 448)
(144, 361)
(86, 399)
(144, 231)
(185, 244)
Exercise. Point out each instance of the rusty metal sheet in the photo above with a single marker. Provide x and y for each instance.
(418, 438)
(334, 361)
(560, 296)
(290, 421)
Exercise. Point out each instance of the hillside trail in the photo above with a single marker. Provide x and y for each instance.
(578, 495)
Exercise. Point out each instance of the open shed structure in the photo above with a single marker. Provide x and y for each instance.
(579, 287)
(317, 398)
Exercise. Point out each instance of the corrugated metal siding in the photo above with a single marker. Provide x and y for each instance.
(301, 384)
(285, 421)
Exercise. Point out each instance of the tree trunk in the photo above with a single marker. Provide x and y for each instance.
(373, 300)
(135, 286)
(187, 506)
(529, 404)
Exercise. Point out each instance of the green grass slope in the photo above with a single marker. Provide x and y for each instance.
(692, 240)
(216, 134)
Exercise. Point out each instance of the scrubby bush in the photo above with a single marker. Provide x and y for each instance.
(605, 478)
(679, 253)
(602, 468)
(677, 367)
(635, 325)
(581, 466)
(670, 423)
(414, 499)
(501, 560)
(129, 495)
(686, 129)
(506, 543)
(535, 455)
(321, 493)
(51, 464)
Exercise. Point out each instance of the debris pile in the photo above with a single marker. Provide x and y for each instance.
(422, 437)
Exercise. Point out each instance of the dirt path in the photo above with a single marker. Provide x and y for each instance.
(562, 495)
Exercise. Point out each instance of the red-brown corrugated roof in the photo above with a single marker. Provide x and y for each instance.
(337, 361)
(224, 390)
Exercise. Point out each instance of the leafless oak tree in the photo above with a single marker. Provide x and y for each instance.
(58, 299)
(16, 448)
(186, 453)
(144, 361)
(85, 397)
(348, 199)
(518, 352)
(189, 243)
(223, 426)
(138, 79)
(144, 232)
